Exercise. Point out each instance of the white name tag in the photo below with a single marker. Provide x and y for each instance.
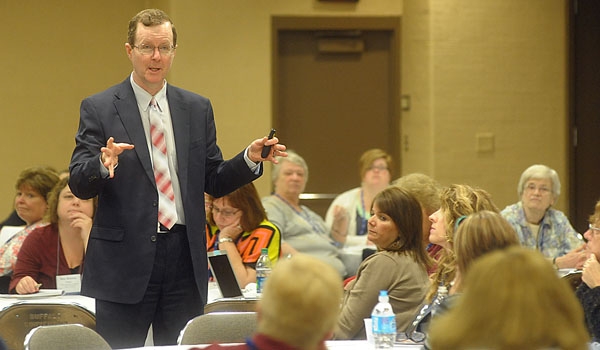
(71, 284)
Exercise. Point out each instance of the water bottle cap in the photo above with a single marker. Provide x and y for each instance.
(383, 293)
(264, 250)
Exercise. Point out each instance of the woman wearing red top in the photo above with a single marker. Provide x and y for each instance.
(56, 249)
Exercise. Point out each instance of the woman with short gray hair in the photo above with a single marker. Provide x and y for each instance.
(541, 227)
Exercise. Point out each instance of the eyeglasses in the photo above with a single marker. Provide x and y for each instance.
(533, 188)
(227, 213)
(378, 168)
(147, 50)
(595, 230)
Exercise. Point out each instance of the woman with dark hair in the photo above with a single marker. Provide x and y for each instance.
(237, 223)
(351, 209)
(399, 265)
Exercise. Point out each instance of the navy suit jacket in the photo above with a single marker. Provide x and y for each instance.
(122, 244)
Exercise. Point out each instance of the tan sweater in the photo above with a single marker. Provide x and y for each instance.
(405, 280)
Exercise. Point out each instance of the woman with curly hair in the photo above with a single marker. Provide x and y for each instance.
(456, 201)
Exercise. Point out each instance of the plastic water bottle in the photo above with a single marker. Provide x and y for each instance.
(263, 270)
(383, 320)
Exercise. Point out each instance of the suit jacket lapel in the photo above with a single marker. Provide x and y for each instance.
(128, 111)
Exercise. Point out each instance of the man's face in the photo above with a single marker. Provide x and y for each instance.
(150, 69)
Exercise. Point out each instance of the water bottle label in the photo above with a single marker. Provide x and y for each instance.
(384, 324)
(260, 283)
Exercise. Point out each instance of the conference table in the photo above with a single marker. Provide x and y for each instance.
(331, 345)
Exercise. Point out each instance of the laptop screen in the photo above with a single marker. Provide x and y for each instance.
(223, 274)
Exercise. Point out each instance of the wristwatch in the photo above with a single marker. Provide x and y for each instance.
(225, 239)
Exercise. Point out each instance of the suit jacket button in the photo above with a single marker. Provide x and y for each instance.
(153, 238)
(155, 204)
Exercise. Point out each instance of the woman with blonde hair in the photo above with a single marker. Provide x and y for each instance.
(456, 201)
(513, 299)
(53, 251)
(478, 234)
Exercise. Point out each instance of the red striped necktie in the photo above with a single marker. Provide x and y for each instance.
(167, 213)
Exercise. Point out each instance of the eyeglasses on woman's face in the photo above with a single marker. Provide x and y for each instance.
(226, 213)
(531, 188)
(595, 230)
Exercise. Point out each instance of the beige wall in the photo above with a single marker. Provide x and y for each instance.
(486, 66)
(491, 67)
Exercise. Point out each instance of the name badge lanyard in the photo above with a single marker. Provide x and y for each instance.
(316, 227)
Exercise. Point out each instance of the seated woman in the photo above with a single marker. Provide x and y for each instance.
(427, 191)
(353, 207)
(399, 265)
(513, 299)
(456, 201)
(57, 249)
(588, 292)
(302, 230)
(33, 185)
(477, 234)
(238, 224)
(540, 226)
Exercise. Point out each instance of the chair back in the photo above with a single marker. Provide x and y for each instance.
(220, 327)
(573, 279)
(64, 337)
(231, 305)
(18, 319)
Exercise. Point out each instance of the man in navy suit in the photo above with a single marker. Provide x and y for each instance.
(139, 271)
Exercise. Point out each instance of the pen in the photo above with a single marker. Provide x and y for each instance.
(38, 286)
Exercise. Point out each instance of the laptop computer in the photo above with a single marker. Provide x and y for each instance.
(223, 274)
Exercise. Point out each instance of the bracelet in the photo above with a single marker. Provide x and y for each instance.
(225, 239)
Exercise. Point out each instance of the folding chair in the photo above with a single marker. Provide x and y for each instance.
(18, 319)
(65, 337)
(221, 327)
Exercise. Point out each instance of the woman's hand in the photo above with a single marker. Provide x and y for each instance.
(233, 230)
(82, 222)
(573, 259)
(339, 228)
(591, 272)
(27, 285)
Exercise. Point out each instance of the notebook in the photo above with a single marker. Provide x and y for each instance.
(223, 274)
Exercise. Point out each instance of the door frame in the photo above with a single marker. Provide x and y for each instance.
(388, 23)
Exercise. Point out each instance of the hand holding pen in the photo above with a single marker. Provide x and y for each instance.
(27, 285)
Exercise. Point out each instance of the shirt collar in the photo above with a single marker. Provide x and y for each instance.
(143, 97)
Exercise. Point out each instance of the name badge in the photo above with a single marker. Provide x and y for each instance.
(71, 284)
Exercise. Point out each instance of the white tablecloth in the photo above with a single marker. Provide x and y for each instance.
(331, 345)
(86, 302)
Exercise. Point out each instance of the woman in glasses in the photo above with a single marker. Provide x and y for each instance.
(587, 292)
(540, 226)
(349, 212)
(303, 230)
(237, 223)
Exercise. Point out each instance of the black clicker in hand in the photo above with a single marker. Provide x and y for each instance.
(267, 149)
